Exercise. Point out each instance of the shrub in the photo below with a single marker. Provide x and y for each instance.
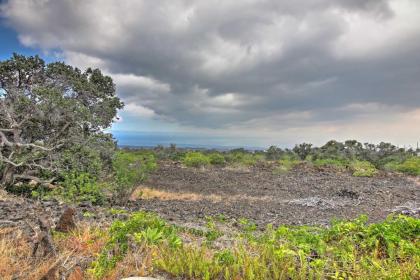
(130, 168)
(243, 158)
(286, 164)
(363, 169)
(217, 159)
(329, 162)
(410, 166)
(78, 187)
(196, 159)
(303, 150)
(145, 228)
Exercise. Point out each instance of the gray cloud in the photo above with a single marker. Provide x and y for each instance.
(237, 63)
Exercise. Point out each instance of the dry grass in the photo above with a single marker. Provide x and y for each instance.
(16, 260)
(149, 193)
(73, 249)
(135, 263)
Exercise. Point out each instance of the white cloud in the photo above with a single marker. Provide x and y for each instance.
(139, 111)
(131, 80)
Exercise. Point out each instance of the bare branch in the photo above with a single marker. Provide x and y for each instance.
(6, 160)
(6, 142)
(34, 178)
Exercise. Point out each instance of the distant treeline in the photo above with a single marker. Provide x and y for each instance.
(384, 156)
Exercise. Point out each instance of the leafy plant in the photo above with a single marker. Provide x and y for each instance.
(130, 168)
(80, 187)
(346, 250)
(143, 227)
(217, 159)
(329, 162)
(363, 169)
(410, 166)
(196, 159)
(285, 165)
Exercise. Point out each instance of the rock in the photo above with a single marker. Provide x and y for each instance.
(43, 241)
(66, 222)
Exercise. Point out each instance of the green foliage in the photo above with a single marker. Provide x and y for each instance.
(53, 117)
(363, 169)
(274, 153)
(410, 166)
(303, 150)
(243, 158)
(346, 250)
(196, 159)
(144, 227)
(285, 165)
(171, 152)
(79, 187)
(217, 159)
(329, 162)
(130, 168)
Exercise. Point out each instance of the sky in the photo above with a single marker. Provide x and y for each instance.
(239, 73)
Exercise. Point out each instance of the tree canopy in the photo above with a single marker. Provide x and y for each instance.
(52, 120)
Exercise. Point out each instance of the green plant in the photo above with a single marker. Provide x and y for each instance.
(53, 120)
(130, 168)
(196, 159)
(152, 236)
(285, 165)
(114, 211)
(346, 250)
(217, 159)
(329, 162)
(88, 214)
(410, 166)
(80, 187)
(144, 227)
(363, 169)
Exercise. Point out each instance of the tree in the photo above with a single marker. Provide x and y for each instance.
(303, 150)
(52, 120)
(274, 153)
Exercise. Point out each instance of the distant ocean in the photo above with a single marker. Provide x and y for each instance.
(153, 139)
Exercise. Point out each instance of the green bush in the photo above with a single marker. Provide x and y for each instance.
(329, 162)
(243, 159)
(363, 169)
(130, 168)
(80, 187)
(410, 166)
(145, 228)
(217, 159)
(285, 165)
(196, 159)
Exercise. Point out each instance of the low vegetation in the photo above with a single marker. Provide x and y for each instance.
(146, 245)
(196, 159)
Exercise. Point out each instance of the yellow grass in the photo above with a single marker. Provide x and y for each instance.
(150, 193)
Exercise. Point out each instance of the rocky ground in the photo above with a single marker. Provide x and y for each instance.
(186, 196)
(305, 195)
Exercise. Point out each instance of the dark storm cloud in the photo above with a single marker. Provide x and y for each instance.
(217, 64)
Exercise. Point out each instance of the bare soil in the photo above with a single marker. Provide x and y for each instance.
(305, 195)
